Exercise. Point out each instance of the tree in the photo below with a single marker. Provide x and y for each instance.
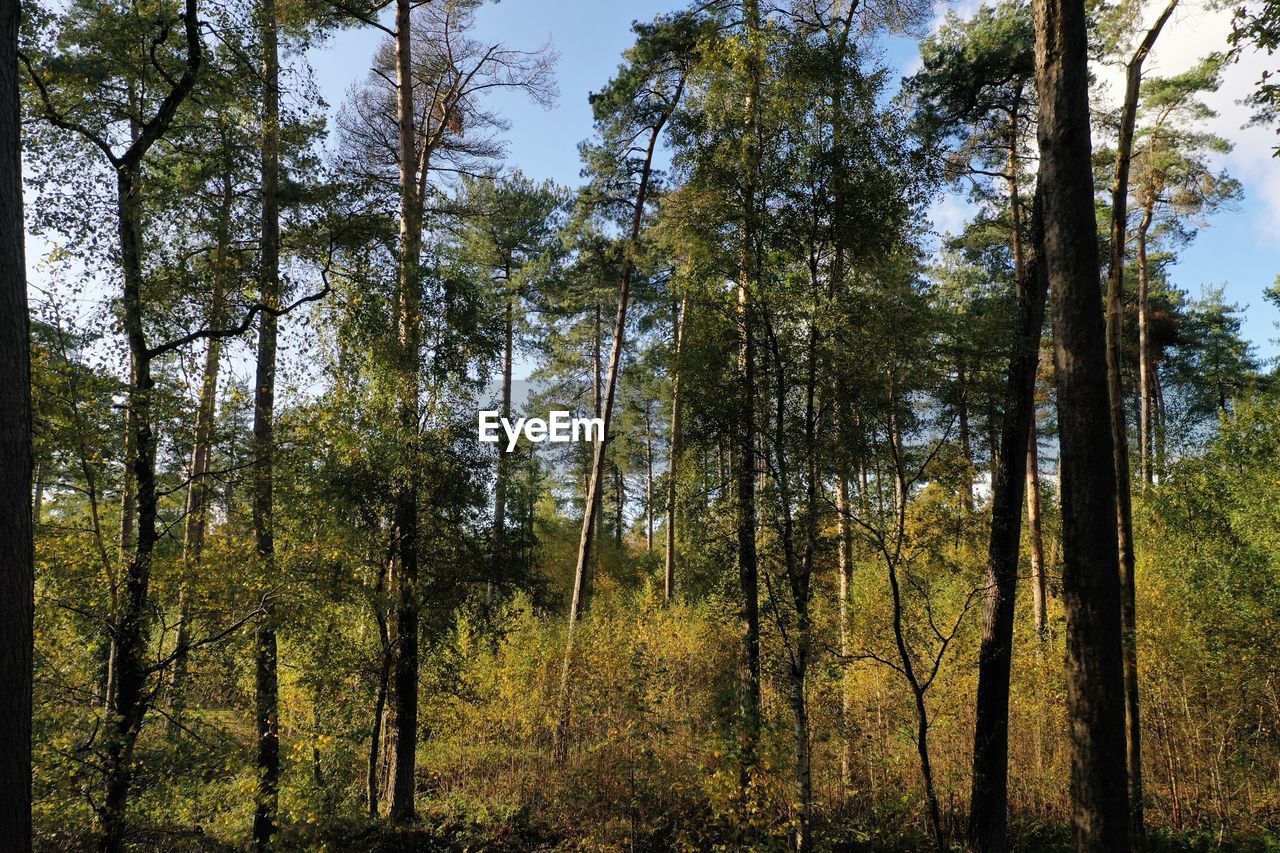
(267, 680)
(630, 116)
(1173, 184)
(1119, 438)
(1091, 572)
(16, 562)
(976, 85)
(435, 113)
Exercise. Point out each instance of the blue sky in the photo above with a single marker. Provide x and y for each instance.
(1240, 249)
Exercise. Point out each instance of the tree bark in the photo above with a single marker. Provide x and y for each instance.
(1091, 571)
(648, 482)
(1115, 317)
(500, 484)
(844, 557)
(1145, 371)
(989, 803)
(17, 556)
(403, 727)
(266, 682)
(1039, 581)
(673, 465)
(745, 433)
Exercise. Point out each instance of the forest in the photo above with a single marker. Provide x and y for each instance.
(897, 536)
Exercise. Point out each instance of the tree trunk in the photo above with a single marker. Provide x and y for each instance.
(844, 557)
(1119, 437)
(620, 499)
(1144, 349)
(1039, 582)
(126, 698)
(197, 490)
(744, 433)
(965, 437)
(17, 557)
(500, 484)
(673, 465)
(1091, 570)
(266, 684)
(989, 804)
(403, 726)
(591, 507)
(648, 482)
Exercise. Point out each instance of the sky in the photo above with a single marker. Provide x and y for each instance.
(1240, 249)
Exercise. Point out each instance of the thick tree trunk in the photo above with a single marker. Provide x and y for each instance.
(16, 557)
(989, 804)
(1091, 570)
(673, 465)
(266, 683)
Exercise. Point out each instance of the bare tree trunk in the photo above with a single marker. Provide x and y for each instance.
(989, 804)
(17, 556)
(673, 465)
(1091, 570)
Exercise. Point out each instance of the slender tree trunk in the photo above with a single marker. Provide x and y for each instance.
(403, 728)
(673, 466)
(1039, 581)
(127, 695)
(595, 485)
(1144, 349)
(197, 490)
(844, 557)
(1119, 437)
(1091, 570)
(745, 433)
(620, 499)
(989, 804)
(500, 485)
(965, 437)
(648, 482)
(17, 555)
(126, 699)
(267, 691)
